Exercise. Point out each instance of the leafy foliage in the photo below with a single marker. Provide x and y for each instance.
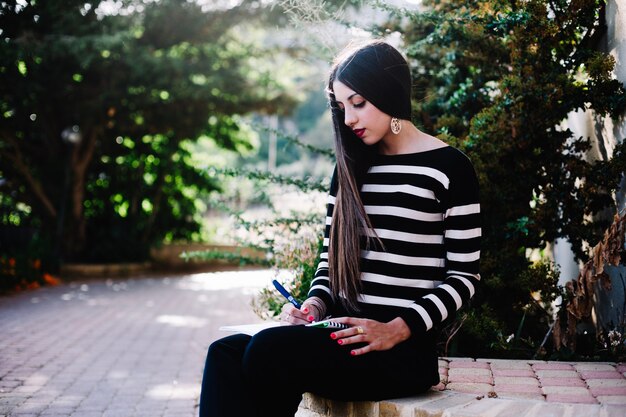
(497, 78)
(290, 238)
(140, 85)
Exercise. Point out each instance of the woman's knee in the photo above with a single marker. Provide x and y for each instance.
(262, 354)
(277, 351)
(228, 348)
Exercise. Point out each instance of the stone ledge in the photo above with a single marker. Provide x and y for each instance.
(104, 270)
(452, 404)
(478, 388)
(166, 258)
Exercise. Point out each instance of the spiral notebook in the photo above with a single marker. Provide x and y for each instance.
(250, 329)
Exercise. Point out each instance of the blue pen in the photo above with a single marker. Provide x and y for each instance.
(286, 294)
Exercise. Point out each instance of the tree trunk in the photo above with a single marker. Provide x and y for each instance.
(156, 207)
(82, 154)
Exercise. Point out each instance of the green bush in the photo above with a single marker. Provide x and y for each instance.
(497, 79)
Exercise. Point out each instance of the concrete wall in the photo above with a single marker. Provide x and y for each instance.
(605, 134)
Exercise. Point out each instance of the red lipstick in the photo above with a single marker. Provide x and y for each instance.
(359, 132)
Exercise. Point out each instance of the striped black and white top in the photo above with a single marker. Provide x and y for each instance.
(425, 209)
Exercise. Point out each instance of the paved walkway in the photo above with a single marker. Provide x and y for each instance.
(135, 347)
(116, 348)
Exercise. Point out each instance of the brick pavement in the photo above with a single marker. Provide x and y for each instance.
(135, 347)
(499, 388)
(116, 348)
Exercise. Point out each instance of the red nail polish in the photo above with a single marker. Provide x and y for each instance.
(333, 336)
(310, 318)
(340, 341)
(352, 353)
(305, 310)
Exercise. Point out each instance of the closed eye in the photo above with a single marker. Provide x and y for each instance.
(335, 104)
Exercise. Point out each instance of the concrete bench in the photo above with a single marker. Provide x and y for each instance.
(454, 404)
(499, 388)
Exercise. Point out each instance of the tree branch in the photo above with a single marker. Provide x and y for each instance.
(22, 168)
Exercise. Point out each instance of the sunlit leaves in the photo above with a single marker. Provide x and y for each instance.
(21, 67)
(140, 81)
(497, 79)
(147, 205)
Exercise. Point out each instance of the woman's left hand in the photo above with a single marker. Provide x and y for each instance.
(376, 335)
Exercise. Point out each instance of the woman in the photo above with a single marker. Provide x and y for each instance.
(401, 254)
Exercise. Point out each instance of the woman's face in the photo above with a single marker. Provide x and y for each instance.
(365, 120)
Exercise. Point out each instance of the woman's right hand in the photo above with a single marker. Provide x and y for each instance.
(291, 315)
(310, 311)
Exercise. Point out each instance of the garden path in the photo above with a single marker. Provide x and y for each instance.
(135, 347)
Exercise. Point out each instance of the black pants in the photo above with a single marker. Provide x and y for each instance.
(267, 374)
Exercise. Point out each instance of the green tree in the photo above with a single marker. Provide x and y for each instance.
(497, 78)
(140, 85)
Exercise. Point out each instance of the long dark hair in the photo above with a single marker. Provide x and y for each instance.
(350, 222)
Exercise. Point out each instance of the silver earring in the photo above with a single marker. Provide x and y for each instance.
(396, 125)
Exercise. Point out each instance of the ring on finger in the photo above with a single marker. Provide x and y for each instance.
(359, 330)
